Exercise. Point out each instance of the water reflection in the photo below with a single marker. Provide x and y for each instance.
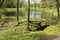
(25, 15)
(33, 15)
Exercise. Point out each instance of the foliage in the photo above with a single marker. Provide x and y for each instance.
(9, 3)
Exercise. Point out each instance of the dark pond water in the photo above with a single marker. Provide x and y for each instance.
(22, 14)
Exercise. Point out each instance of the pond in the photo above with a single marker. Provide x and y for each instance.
(25, 15)
(33, 15)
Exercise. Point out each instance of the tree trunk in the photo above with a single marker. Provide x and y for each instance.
(17, 12)
(1, 3)
(57, 6)
(28, 12)
(35, 8)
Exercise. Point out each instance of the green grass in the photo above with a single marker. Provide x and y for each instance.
(52, 30)
(23, 9)
(11, 35)
(11, 9)
(18, 37)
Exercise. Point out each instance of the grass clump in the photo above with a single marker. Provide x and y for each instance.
(52, 30)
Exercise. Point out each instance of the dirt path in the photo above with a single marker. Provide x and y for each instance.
(57, 38)
(49, 38)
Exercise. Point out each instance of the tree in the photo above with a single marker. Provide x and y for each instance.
(17, 12)
(57, 6)
(28, 12)
(21, 3)
(43, 5)
(10, 3)
(35, 8)
(1, 3)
